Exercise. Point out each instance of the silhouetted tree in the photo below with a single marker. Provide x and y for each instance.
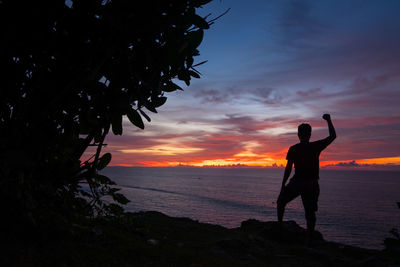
(70, 71)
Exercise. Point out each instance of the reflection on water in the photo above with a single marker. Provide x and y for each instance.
(355, 207)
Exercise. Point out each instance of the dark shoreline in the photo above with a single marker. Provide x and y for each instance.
(154, 239)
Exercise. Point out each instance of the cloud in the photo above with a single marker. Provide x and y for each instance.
(363, 84)
(297, 23)
(352, 163)
(267, 96)
(318, 43)
(323, 56)
(233, 95)
(207, 138)
(310, 93)
(163, 150)
(374, 166)
(213, 96)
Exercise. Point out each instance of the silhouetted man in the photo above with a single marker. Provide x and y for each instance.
(304, 183)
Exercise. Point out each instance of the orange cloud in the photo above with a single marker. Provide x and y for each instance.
(253, 141)
(163, 150)
(370, 163)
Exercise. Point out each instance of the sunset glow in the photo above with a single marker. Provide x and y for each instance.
(270, 163)
(271, 66)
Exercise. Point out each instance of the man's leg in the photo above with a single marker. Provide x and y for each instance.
(290, 192)
(280, 211)
(310, 203)
(311, 220)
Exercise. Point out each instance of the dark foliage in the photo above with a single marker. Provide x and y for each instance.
(70, 71)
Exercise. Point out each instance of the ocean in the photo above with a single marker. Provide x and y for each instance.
(355, 207)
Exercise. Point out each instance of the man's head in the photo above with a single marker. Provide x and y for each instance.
(304, 132)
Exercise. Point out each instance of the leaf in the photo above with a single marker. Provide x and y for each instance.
(84, 193)
(170, 87)
(104, 179)
(200, 22)
(195, 38)
(150, 107)
(97, 136)
(145, 115)
(117, 124)
(103, 161)
(194, 74)
(159, 101)
(84, 127)
(120, 198)
(199, 3)
(115, 209)
(184, 76)
(201, 63)
(135, 118)
(189, 62)
(113, 190)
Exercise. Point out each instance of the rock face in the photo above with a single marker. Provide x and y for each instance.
(152, 238)
(289, 231)
(253, 243)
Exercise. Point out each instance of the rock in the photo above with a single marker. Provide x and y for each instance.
(152, 242)
(289, 231)
(370, 261)
(232, 245)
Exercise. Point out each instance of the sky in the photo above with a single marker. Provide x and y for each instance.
(271, 66)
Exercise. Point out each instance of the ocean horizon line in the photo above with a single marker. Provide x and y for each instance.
(392, 168)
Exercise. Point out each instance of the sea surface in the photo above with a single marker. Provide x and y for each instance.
(355, 207)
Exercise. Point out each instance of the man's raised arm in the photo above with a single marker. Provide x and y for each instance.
(332, 132)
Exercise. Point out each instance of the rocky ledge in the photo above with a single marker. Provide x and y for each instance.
(154, 239)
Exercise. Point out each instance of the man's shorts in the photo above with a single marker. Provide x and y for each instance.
(307, 189)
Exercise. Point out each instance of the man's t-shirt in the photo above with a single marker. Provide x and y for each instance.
(306, 158)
